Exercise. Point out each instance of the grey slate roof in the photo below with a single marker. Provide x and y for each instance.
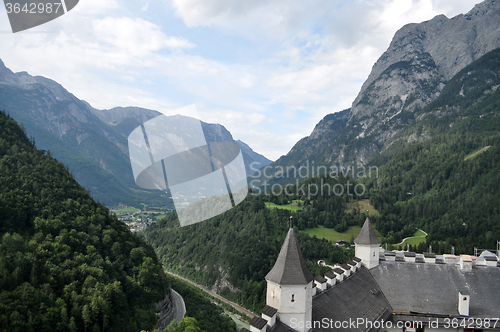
(269, 311)
(290, 267)
(338, 270)
(357, 297)
(429, 255)
(281, 327)
(367, 234)
(356, 259)
(433, 288)
(330, 275)
(258, 322)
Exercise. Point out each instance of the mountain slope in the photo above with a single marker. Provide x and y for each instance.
(413, 71)
(93, 143)
(434, 179)
(66, 264)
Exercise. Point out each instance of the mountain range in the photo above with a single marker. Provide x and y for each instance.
(410, 74)
(91, 142)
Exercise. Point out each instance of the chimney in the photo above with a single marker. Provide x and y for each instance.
(258, 324)
(330, 278)
(269, 314)
(463, 302)
(321, 282)
(465, 263)
(429, 257)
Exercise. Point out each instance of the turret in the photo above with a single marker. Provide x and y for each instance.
(367, 245)
(289, 285)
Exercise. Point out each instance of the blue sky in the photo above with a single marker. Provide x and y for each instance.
(268, 70)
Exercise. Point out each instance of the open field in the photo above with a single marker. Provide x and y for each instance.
(125, 210)
(330, 234)
(239, 324)
(417, 238)
(363, 205)
(295, 206)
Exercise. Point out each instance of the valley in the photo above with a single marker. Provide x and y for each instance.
(409, 174)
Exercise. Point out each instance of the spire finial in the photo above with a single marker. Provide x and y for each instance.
(367, 213)
(291, 221)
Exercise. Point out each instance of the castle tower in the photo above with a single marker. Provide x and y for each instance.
(289, 285)
(367, 245)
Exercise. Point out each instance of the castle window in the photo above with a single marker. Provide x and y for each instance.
(293, 298)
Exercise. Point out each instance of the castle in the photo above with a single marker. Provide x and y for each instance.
(381, 291)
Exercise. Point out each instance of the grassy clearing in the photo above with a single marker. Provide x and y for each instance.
(418, 238)
(295, 205)
(475, 153)
(125, 210)
(419, 233)
(239, 324)
(330, 234)
(362, 205)
(414, 241)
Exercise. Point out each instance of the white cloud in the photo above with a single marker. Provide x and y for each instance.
(306, 59)
(135, 36)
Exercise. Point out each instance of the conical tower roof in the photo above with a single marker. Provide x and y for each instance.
(290, 267)
(367, 234)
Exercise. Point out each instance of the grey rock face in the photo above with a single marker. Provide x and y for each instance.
(451, 43)
(415, 68)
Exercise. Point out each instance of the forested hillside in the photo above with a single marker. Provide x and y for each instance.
(66, 264)
(235, 250)
(443, 172)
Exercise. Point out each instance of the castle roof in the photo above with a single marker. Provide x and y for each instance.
(433, 288)
(290, 267)
(367, 234)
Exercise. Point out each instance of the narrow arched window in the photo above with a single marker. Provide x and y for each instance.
(293, 298)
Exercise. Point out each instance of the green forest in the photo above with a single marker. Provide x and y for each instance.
(242, 244)
(432, 184)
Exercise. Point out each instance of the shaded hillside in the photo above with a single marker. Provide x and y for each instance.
(66, 264)
(92, 143)
(429, 183)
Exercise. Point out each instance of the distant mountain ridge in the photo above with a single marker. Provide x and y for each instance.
(409, 75)
(91, 142)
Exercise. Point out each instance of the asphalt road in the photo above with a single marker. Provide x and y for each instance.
(179, 306)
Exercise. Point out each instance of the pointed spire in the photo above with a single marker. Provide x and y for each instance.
(367, 234)
(290, 267)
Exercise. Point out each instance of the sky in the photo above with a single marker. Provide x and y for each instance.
(268, 70)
